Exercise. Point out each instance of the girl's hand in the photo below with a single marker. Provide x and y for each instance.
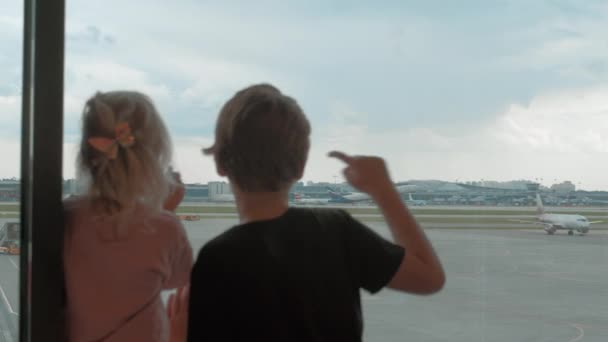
(177, 310)
(177, 193)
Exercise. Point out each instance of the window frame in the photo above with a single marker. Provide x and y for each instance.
(41, 272)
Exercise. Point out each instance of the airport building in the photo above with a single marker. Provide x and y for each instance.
(197, 192)
(564, 187)
(10, 190)
(215, 190)
(432, 192)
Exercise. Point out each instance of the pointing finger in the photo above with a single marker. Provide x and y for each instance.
(342, 156)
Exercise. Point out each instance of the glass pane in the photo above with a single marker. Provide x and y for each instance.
(11, 36)
(477, 106)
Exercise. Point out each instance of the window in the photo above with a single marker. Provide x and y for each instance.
(11, 36)
(476, 106)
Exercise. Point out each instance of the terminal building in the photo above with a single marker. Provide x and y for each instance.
(197, 193)
(10, 190)
(431, 192)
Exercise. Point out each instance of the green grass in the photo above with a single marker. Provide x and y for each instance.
(453, 220)
(416, 211)
(355, 211)
(218, 216)
(457, 214)
(206, 210)
(9, 207)
(9, 215)
(473, 219)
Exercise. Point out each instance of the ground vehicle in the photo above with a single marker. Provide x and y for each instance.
(10, 234)
(11, 250)
(189, 217)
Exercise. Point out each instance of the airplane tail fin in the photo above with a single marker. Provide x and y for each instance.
(410, 196)
(333, 194)
(540, 208)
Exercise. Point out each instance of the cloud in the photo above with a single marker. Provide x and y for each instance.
(104, 74)
(573, 121)
(214, 81)
(85, 77)
(188, 159)
(562, 42)
(10, 108)
(10, 118)
(469, 90)
(89, 35)
(557, 136)
(11, 151)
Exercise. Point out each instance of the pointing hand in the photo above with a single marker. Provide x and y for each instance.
(366, 173)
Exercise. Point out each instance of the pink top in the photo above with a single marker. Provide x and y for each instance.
(114, 284)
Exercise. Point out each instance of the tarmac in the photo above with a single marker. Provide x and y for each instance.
(9, 297)
(516, 284)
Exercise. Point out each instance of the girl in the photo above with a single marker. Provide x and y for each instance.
(123, 244)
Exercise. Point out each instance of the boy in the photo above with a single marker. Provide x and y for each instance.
(292, 274)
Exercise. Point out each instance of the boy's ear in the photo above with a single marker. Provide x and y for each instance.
(301, 171)
(221, 171)
(219, 168)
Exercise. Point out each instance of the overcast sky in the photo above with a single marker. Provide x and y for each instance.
(460, 90)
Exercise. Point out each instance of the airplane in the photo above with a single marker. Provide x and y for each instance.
(553, 222)
(299, 199)
(358, 197)
(412, 202)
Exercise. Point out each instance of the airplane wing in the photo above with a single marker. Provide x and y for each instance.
(595, 222)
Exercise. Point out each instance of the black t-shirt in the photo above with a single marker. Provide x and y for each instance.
(293, 278)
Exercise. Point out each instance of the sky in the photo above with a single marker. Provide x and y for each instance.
(467, 90)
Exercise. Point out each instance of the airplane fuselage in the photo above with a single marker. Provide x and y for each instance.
(363, 197)
(310, 201)
(350, 198)
(553, 222)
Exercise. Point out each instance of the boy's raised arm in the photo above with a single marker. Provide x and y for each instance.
(420, 271)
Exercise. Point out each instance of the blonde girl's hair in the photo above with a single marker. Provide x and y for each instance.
(136, 173)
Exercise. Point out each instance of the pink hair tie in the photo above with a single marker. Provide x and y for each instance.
(108, 146)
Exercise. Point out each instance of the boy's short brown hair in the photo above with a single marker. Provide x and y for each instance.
(262, 139)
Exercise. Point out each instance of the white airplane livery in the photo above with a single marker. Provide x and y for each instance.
(356, 197)
(414, 202)
(554, 222)
(299, 199)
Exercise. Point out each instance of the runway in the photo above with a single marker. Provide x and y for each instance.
(511, 283)
(9, 297)
(515, 284)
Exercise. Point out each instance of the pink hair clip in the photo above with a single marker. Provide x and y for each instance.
(108, 146)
